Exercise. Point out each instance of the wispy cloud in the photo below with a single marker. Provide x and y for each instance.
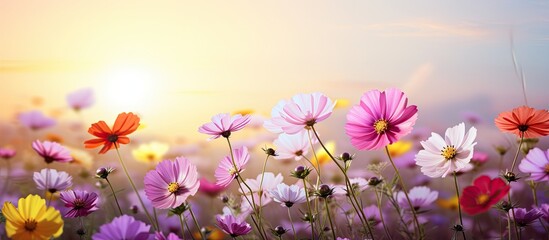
(419, 77)
(427, 28)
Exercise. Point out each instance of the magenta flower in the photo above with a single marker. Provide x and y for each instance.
(226, 171)
(52, 180)
(544, 209)
(301, 112)
(210, 189)
(79, 203)
(123, 227)
(51, 151)
(523, 217)
(80, 99)
(160, 236)
(223, 125)
(171, 183)
(233, 226)
(35, 120)
(380, 119)
(7, 153)
(420, 197)
(536, 163)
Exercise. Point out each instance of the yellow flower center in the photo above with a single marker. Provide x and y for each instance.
(482, 198)
(449, 152)
(173, 187)
(232, 171)
(381, 126)
(30, 225)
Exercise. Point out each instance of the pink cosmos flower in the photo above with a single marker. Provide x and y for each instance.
(223, 125)
(420, 197)
(7, 153)
(171, 236)
(52, 180)
(226, 172)
(210, 189)
(79, 203)
(51, 151)
(80, 99)
(171, 183)
(35, 120)
(287, 196)
(301, 112)
(293, 146)
(452, 153)
(274, 124)
(233, 226)
(123, 227)
(270, 181)
(536, 163)
(380, 119)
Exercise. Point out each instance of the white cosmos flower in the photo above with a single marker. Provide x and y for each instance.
(443, 156)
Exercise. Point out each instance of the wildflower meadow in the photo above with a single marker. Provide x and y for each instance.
(274, 120)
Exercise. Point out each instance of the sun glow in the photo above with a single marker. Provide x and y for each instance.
(130, 88)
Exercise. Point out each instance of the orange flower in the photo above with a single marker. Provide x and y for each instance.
(524, 122)
(125, 124)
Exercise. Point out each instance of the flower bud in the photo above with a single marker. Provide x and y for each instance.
(301, 172)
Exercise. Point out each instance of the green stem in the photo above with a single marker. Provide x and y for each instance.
(459, 205)
(513, 214)
(182, 225)
(261, 188)
(309, 208)
(330, 218)
(114, 195)
(381, 215)
(405, 190)
(196, 223)
(517, 153)
(135, 189)
(292, 223)
(252, 203)
(351, 191)
(155, 217)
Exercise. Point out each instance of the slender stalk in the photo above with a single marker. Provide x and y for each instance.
(114, 195)
(459, 205)
(261, 188)
(196, 223)
(188, 229)
(309, 208)
(82, 227)
(513, 214)
(534, 192)
(352, 196)
(392, 200)
(182, 226)
(518, 150)
(292, 223)
(7, 178)
(155, 217)
(381, 215)
(330, 218)
(135, 188)
(509, 225)
(252, 203)
(405, 190)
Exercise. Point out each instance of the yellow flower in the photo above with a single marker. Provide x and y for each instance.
(32, 219)
(322, 156)
(450, 203)
(151, 152)
(342, 103)
(81, 157)
(401, 147)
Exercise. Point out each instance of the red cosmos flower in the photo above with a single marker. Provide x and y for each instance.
(484, 193)
(125, 124)
(524, 120)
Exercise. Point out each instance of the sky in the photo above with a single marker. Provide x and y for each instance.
(177, 63)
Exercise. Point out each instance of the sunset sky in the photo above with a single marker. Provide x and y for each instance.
(177, 63)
